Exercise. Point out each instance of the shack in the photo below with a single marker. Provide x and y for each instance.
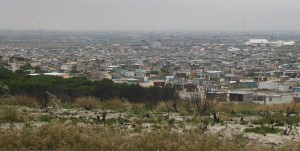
(241, 96)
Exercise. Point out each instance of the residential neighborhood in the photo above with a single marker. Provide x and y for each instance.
(228, 67)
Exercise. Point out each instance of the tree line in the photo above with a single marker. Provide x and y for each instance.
(71, 88)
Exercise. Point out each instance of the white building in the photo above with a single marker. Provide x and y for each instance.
(278, 99)
(268, 85)
(129, 73)
(66, 67)
(288, 43)
(265, 43)
(257, 42)
(276, 43)
(233, 49)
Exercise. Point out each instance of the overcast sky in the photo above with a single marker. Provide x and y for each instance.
(150, 14)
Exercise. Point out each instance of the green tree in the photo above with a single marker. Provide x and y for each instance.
(4, 90)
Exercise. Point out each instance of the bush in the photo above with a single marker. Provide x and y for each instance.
(4, 90)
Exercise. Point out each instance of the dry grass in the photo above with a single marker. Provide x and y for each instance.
(21, 100)
(138, 106)
(11, 114)
(80, 102)
(117, 104)
(163, 106)
(114, 104)
(243, 107)
(58, 136)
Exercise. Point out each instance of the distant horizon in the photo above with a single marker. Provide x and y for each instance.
(162, 30)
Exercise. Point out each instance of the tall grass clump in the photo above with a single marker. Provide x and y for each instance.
(11, 114)
(21, 100)
(114, 104)
(81, 102)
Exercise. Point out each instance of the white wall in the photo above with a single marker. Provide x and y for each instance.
(270, 100)
(268, 85)
(284, 87)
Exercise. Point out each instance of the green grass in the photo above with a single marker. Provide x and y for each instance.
(263, 130)
(111, 122)
(45, 118)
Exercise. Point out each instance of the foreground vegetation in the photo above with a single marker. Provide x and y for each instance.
(119, 125)
(57, 136)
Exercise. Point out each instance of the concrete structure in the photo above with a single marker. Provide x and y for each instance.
(248, 84)
(257, 42)
(278, 99)
(64, 75)
(265, 43)
(284, 87)
(296, 89)
(268, 85)
(241, 96)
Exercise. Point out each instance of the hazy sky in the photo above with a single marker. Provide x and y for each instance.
(150, 14)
